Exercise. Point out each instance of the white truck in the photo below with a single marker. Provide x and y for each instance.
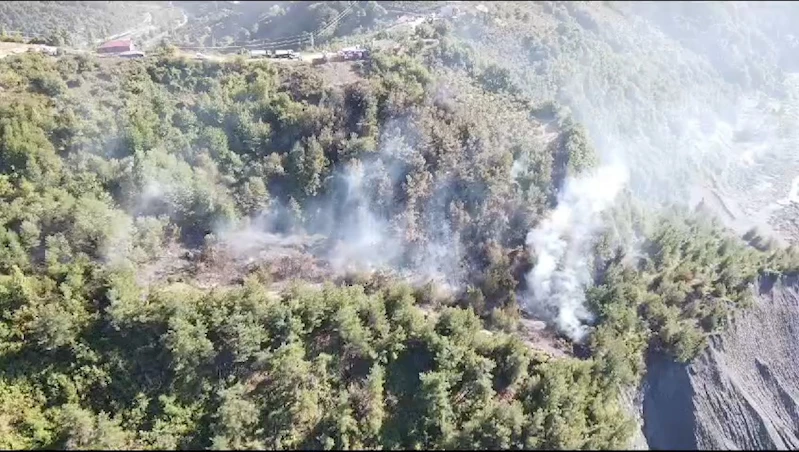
(286, 54)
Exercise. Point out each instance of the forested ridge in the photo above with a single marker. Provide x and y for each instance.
(287, 24)
(73, 23)
(106, 164)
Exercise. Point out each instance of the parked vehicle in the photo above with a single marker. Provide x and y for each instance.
(286, 54)
(353, 53)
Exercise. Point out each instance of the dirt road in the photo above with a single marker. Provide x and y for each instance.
(13, 48)
(155, 39)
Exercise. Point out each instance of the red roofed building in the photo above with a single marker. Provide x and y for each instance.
(118, 46)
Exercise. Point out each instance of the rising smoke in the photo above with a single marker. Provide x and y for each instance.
(366, 241)
(563, 245)
(365, 229)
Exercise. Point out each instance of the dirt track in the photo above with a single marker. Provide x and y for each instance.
(13, 48)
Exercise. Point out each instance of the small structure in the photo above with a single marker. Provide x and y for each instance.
(117, 46)
(353, 53)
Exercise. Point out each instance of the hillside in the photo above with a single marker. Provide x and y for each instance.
(279, 24)
(78, 24)
(441, 246)
(615, 65)
(108, 163)
(741, 393)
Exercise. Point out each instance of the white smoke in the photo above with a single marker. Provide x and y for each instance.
(562, 243)
(366, 241)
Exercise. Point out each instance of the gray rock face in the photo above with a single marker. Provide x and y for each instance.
(631, 401)
(741, 393)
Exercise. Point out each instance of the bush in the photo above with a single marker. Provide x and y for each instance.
(49, 85)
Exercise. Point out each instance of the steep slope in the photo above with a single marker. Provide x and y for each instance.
(180, 325)
(108, 165)
(78, 24)
(741, 393)
(656, 92)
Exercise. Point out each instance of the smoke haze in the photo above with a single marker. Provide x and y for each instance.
(562, 243)
(673, 131)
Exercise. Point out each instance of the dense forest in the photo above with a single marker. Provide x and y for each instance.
(287, 24)
(81, 147)
(443, 161)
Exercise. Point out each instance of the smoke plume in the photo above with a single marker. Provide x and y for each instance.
(562, 243)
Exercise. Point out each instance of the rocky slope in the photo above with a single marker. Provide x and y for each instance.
(742, 393)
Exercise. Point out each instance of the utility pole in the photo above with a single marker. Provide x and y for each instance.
(312, 44)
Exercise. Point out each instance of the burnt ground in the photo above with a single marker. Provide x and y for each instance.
(280, 260)
(271, 258)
